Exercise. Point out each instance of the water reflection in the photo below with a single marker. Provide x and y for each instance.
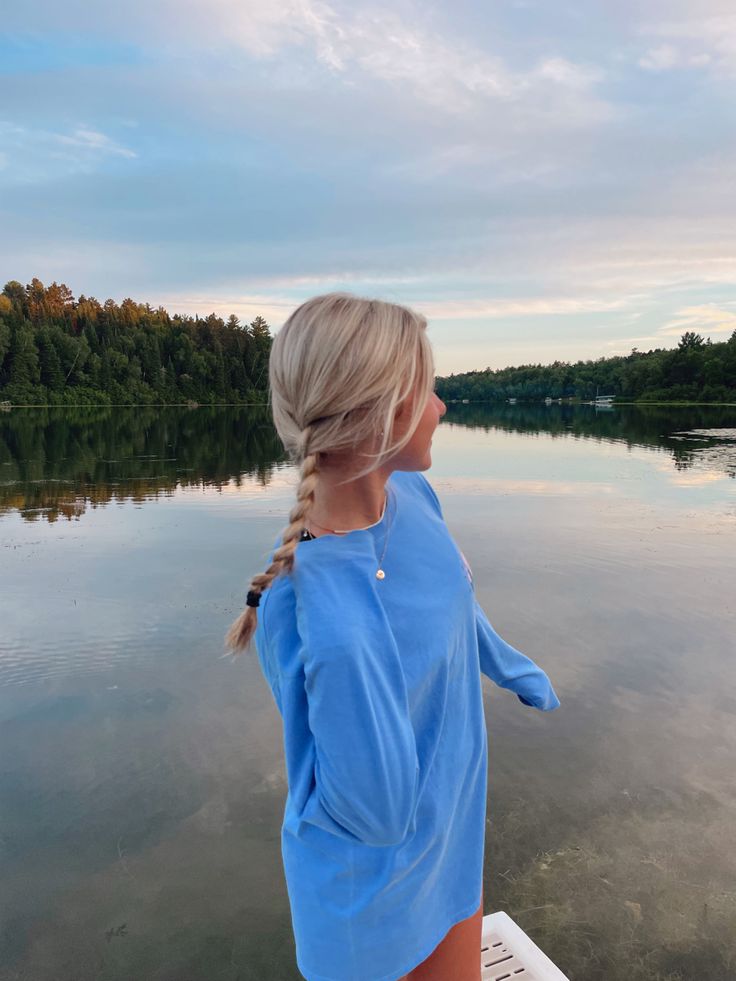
(142, 777)
(708, 449)
(656, 426)
(57, 463)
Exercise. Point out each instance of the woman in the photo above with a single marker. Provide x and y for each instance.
(372, 642)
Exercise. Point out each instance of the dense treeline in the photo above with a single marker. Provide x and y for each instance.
(697, 370)
(58, 350)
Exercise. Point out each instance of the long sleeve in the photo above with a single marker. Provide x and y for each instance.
(366, 769)
(511, 669)
(500, 661)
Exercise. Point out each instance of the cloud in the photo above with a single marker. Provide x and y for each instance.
(33, 154)
(706, 318)
(246, 307)
(521, 307)
(420, 59)
(276, 308)
(89, 139)
(565, 73)
(665, 57)
(449, 74)
(701, 35)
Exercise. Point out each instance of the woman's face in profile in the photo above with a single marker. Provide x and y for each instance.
(416, 455)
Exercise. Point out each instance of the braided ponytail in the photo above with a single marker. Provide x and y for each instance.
(242, 630)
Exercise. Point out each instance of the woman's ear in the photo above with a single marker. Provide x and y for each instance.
(404, 407)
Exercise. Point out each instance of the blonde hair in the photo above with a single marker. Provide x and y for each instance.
(339, 368)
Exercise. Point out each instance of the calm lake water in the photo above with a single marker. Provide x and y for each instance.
(141, 774)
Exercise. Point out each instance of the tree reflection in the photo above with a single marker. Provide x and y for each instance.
(57, 462)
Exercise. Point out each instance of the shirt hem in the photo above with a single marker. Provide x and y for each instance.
(413, 962)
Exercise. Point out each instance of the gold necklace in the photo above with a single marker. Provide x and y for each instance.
(380, 573)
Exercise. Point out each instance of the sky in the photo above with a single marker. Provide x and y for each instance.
(541, 179)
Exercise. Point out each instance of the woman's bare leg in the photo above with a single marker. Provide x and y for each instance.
(456, 957)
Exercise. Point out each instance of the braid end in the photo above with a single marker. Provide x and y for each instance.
(240, 634)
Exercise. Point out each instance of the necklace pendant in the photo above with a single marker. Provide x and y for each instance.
(380, 574)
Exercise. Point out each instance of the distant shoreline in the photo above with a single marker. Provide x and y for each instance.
(201, 405)
(541, 402)
(112, 405)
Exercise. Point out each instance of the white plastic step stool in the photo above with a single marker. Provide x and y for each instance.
(507, 954)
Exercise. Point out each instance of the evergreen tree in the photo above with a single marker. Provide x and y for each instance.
(51, 373)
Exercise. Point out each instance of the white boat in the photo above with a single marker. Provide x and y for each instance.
(601, 401)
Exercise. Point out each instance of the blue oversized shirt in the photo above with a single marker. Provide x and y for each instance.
(378, 685)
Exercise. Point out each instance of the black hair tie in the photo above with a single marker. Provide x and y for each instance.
(253, 598)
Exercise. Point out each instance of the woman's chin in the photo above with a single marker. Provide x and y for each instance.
(417, 461)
